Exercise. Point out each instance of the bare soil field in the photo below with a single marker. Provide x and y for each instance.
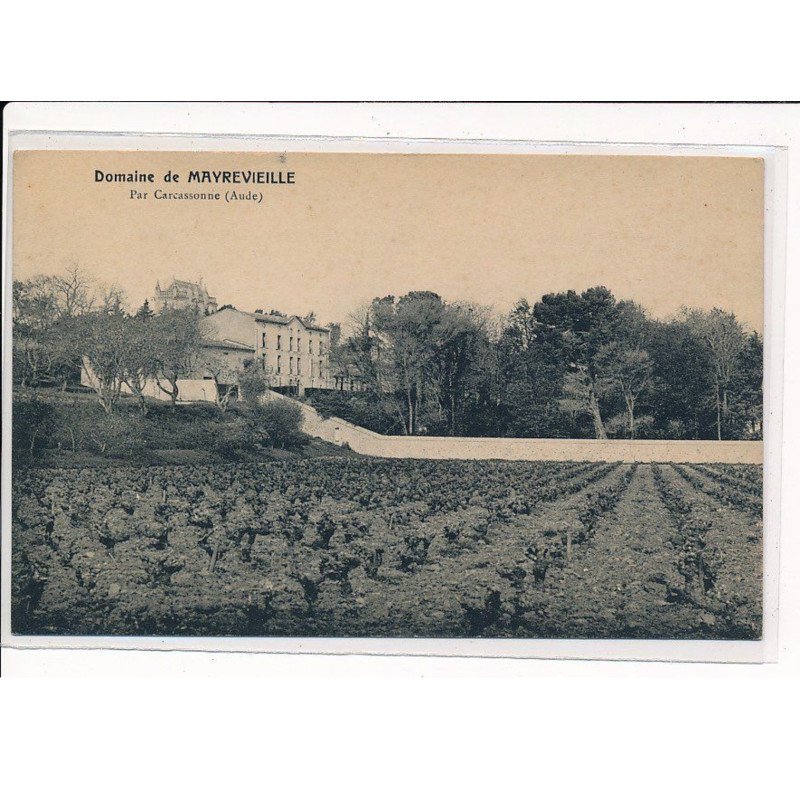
(353, 547)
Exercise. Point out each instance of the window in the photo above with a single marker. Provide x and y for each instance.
(291, 365)
(320, 369)
(299, 369)
(263, 363)
(291, 343)
(263, 339)
(279, 360)
(309, 346)
(320, 346)
(279, 344)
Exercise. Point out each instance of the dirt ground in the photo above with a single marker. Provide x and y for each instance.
(341, 547)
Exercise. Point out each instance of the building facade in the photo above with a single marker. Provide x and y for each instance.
(184, 294)
(293, 354)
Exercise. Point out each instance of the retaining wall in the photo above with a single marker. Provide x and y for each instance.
(361, 440)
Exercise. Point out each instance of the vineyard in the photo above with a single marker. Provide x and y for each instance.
(345, 547)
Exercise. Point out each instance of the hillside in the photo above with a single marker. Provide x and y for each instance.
(69, 429)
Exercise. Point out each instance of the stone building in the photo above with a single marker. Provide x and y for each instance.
(293, 354)
(184, 294)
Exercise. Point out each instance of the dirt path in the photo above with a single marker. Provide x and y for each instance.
(736, 536)
(465, 572)
(618, 584)
(719, 493)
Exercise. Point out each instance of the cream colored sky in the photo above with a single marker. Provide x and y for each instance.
(664, 231)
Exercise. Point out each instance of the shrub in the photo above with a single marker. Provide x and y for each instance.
(114, 435)
(281, 421)
(236, 440)
(33, 424)
(252, 383)
(364, 409)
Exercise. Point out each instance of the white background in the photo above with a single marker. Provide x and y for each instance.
(393, 727)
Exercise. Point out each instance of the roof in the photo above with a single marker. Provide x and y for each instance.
(190, 286)
(277, 320)
(286, 320)
(227, 344)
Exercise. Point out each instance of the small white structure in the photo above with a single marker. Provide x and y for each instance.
(190, 390)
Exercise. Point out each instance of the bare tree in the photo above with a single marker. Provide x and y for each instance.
(41, 331)
(176, 342)
(112, 299)
(725, 339)
(103, 342)
(139, 357)
(227, 378)
(75, 294)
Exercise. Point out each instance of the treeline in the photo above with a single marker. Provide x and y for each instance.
(570, 365)
(63, 323)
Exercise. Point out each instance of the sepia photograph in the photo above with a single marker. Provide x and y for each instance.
(508, 396)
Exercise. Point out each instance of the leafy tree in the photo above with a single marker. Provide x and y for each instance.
(628, 371)
(532, 374)
(581, 324)
(144, 311)
(405, 347)
(747, 406)
(418, 353)
(460, 344)
(681, 371)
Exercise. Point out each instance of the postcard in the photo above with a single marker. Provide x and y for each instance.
(383, 399)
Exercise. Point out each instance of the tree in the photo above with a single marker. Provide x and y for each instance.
(335, 333)
(34, 310)
(460, 341)
(139, 356)
(725, 339)
(144, 311)
(400, 340)
(112, 299)
(176, 343)
(74, 293)
(747, 407)
(628, 371)
(580, 324)
(103, 342)
(681, 371)
(532, 376)
(43, 309)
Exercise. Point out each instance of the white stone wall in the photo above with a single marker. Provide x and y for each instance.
(340, 432)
